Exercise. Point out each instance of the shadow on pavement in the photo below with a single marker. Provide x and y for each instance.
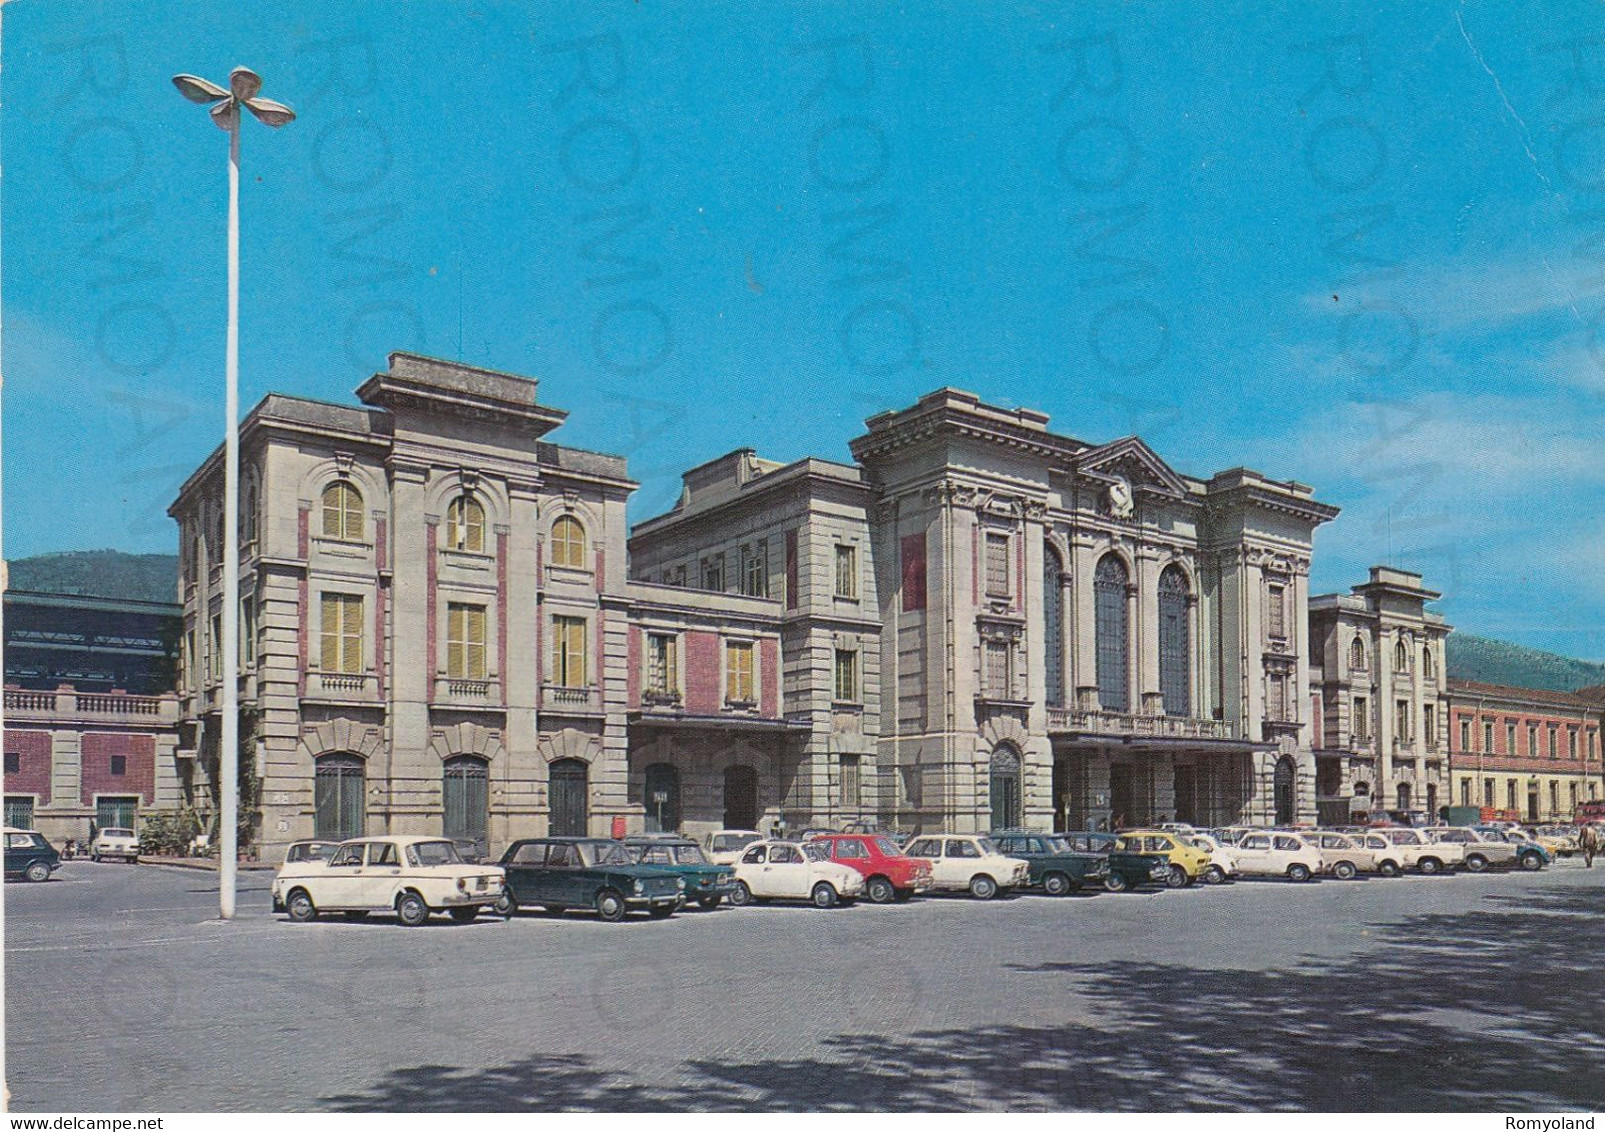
(1486, 1009)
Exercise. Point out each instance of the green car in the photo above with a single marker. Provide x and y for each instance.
(706, 884)
(559, 873)
(1056, 868)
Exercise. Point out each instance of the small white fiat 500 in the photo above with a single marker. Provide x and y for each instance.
(1277, 854)
(969, 863)
(786, 870)
(410, 876)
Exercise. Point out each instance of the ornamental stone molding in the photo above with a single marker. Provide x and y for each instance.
(998, 729)
(570, 743)
(343, 736)
(466, 739)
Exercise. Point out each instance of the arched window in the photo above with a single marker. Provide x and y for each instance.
(662, 798)
(338, 797)
(248, 515)
(1112, 632)
(1005, 787)
(568, 543)
(1427, 672)
(465, 791)
(342, 511)
(1283, 791)
(1401, 657)
(465, 525)
(1357, 653)
(1053, 625)
(1175, 673)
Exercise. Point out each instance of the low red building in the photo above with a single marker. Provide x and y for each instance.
(1531, 752)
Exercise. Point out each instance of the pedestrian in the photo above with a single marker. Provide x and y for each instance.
(1588, 842)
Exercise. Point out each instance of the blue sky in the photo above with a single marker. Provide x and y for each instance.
(1358, 245)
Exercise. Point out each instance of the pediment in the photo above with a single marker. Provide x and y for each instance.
(1131, 460)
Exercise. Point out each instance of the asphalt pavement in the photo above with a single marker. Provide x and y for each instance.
(124, 993)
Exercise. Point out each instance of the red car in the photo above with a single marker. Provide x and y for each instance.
(889, 874)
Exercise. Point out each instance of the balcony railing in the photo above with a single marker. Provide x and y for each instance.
(1122, 723)
(68, 703)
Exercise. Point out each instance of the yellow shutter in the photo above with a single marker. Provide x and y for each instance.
(329, 654)
(476, 642)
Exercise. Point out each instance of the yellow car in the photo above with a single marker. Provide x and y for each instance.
(1187, 862)
(1561, 841)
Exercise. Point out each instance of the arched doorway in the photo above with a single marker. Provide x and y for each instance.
(662, 798)
(1005, 787)
(338, 795)
(570, 798)
(1283, 791)
(465, 796)
(740, 797)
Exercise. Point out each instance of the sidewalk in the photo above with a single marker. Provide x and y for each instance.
(207, 864)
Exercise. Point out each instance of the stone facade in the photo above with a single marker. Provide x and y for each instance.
(1381, 698)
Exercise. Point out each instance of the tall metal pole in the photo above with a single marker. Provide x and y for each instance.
(229, 754)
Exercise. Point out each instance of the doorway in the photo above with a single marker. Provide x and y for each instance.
(1122, 798)
(1187, 794)
(662, 798)
(1283, 791)
(740, 797)
(570, 800)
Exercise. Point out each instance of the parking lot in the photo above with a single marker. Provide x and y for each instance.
(1411, 993)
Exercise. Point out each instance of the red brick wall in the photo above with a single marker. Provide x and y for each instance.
(1522, 760)
(140, 776)
(32, 749)
(702, 675)
(632, 682)
(769, 675)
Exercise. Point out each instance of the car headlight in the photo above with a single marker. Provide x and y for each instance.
(639, 888)
(679, 882)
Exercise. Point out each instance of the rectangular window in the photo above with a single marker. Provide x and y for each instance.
(1591, 746)
(465, 641)
(1510, 794)
(1276, 612)
(758, 570)
(678, 578)
(913, 548)
(1532, 740)
(19, 812)
(662, 664)
(1510, 737)
(1554, 796)
(852, 789)
(13, 762)
(1401, 720)
(997, 564)
(847, 571)
(1429, 728)
(1554, 742)
(738, 680)
(713, 572)
(247, 631)
(1465, 734)
(997, 676)
(1488, 737)
(1571, 743)
(568, 652)
(192, 661)
(846, 676)
(119, 766)
(214, 647)
(1362, 720)
(1465, 791)
(1278, 706)
(342, 633)
(1488, 792)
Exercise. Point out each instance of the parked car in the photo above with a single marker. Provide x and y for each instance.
(29, 855)
(970, 863)
(1481, 851)
(1342, 855)
(314, 850)
(1052, 865)
(1430, 857)
(875, 829)
(1530, 855)
(706, 884)
(889, 873)
(1180, 828)
(789, 870)
(725, 846)
(1222, 858)
(1187, 862)
(1559, 840)
(1124, 870)
(408, 875)
(559, 873)
(114, 841)
(1273, 854)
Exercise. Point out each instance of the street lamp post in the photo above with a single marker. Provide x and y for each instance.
(243, 87)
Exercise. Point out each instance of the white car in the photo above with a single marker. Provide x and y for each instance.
(1277, 854)
(1222, 858)
(787, 870)
(1481, 851)
(410, 876)
(969, 863)
(1431, 856)
(115, 842)
(725, 846)
(1343, 855)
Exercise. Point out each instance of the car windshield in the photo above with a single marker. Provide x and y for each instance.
(670, 853)
(605, 853)
(730, 842)
(816, 851)
(426, 853)
(887, 848)
(987, 845)
(117, 832)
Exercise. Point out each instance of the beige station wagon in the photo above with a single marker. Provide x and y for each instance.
(410, 876)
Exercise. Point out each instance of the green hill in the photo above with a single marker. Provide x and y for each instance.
(99, 573)
(1500, 662)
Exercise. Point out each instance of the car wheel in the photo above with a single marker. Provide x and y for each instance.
(880, 891)
(1532, 862)
(38, 871)
(1429, 866)
(506, 904)
(1344, 870)
(1299, 873)
(1476, 862)
(412, 909)
(1116, 882)
(1177, 877)
(355, 917)
(660, 911)
(300, 907)
(610, 906)
(1388, 869)
(983, 887)
(1056, 884)
(464, 915)
(823, 895)
(741, 895)
(708, 903)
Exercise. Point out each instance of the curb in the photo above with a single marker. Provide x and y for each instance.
(201, 866)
